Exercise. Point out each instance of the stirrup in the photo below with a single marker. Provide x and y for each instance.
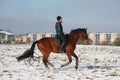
(61, 51)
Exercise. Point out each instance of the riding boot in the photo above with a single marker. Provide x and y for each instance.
(62, 48)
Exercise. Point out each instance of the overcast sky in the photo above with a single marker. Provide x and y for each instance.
(23, 16)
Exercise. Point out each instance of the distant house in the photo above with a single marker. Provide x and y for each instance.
(22, 39)
(6, 36)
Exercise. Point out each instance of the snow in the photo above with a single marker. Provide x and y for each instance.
(95, 63)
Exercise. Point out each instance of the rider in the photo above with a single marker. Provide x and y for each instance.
(60, 33)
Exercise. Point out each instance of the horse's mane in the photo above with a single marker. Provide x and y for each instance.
(77, 30)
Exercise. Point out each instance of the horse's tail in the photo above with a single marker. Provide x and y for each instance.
(28, 53)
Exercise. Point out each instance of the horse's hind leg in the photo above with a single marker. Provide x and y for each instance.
(45, 62)
(75, 56)
(52, 67)
(45, 58)
(50, 64)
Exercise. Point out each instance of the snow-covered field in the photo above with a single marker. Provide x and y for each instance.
(95, 63)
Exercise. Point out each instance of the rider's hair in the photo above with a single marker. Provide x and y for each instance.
(59, 17)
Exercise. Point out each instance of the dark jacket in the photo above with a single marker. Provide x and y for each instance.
(59, 28)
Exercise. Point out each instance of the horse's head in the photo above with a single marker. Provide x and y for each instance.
(80, 33)
(84, 35)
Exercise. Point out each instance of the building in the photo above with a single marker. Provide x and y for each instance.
(49, 34)
(92, 36)
(6, 36)
(103, 38)
(38, 36)
(96, 38)
(32, 36)
(22, 39)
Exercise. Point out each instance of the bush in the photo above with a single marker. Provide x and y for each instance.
(80, 41)
(117, 42)
(104, 43)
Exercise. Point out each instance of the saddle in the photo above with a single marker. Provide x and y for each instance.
(59, 41)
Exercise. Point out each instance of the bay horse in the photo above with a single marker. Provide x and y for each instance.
(48, 44)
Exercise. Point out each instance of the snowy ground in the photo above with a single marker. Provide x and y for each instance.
(95, 63)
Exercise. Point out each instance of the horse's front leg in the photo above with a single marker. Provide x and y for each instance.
(70, 60)
(76, 57)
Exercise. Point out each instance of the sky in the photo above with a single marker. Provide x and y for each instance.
(26, 16)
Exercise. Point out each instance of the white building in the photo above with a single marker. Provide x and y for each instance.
(6, 36)
(100, 38)
(38, 36)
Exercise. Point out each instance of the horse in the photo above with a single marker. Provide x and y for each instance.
(48, 44)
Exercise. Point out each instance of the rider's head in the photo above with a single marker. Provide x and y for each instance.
(59, 18)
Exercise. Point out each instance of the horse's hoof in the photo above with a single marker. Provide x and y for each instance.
(62, 65)
(53, 70)
(76, 67)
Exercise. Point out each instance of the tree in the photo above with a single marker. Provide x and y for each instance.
(80, 41)
(104, 43)
(117, 42)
